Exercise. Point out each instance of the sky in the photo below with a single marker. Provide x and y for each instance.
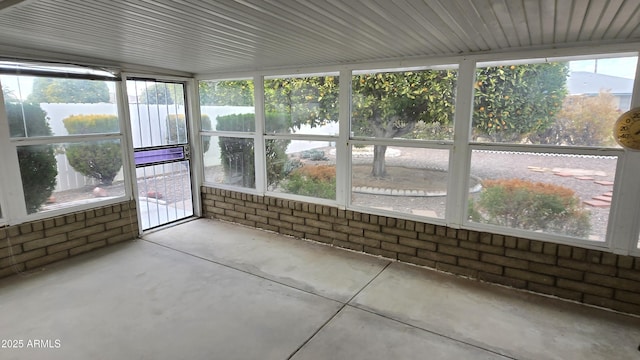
(622, 67)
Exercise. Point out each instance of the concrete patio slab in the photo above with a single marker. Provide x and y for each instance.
(320, 269)
(359, 335)
(513, 323)
(143, 301)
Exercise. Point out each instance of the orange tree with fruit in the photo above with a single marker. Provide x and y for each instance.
(513, 102)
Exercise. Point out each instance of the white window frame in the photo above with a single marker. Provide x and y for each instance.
(623, 227)
(293, 137)
(618, 235)
(420, 144)
(258, 141)
(14, 207)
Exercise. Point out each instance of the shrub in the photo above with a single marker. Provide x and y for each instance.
(313, 154)
(177, 130)
(91, 124)
(291, 165)
(532, 206)
(318, 181)
(100, 160)
(583, 121)
(38, 168)
(237, 154)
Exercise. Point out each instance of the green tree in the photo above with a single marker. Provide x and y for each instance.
(68, 91)
(100, 160)
(226, 93)
(162, 94)
(303, 101)
(510, 103)
(38, 169)
(390, 105)
(514, 101)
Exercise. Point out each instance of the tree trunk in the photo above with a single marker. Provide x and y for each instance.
(379, 168)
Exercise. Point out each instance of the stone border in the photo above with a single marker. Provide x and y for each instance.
(411, 192)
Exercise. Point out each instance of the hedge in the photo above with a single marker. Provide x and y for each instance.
(101, 160)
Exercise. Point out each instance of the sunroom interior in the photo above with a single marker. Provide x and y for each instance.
(301, 180)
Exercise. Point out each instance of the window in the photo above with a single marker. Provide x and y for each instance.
(389, 111)
(561, 194)
(67, 138)
(554, 165)
(534, 154)
(415, 180)
(229, 160)
(302, 167)
(301, 127)
(228, 132)
(562, 103)
(301, 105)
(415, 104)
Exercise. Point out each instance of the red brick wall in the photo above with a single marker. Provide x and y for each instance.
(570, 272)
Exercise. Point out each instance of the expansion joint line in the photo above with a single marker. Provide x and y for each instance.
(344, 305)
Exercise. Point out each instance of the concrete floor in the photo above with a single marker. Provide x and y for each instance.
(212, 290)
(154, 213)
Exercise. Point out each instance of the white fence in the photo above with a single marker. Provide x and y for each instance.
(68, 178)
(142, 116)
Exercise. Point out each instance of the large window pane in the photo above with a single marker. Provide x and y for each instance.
(39, 106)
(227, 98)
(301, 167)
(571, 103)
(158, 108)
(552, 193)
(414, 180)
(304, 105)
(406, 104)
(229, 160)
(62, 175)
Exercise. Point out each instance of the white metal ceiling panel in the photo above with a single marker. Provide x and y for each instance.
(206, 36)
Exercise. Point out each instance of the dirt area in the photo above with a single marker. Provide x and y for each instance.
(402, 178)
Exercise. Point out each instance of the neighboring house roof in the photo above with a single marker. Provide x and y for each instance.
(582, 82)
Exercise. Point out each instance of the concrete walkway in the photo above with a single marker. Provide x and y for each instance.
(212, 290)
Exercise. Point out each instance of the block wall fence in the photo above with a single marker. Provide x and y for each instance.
(34, 244)
(570, 272)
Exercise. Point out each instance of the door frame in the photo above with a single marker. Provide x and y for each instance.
(191, 113)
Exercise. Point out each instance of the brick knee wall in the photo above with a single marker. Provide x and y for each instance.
(34, 244)
(589, 276)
